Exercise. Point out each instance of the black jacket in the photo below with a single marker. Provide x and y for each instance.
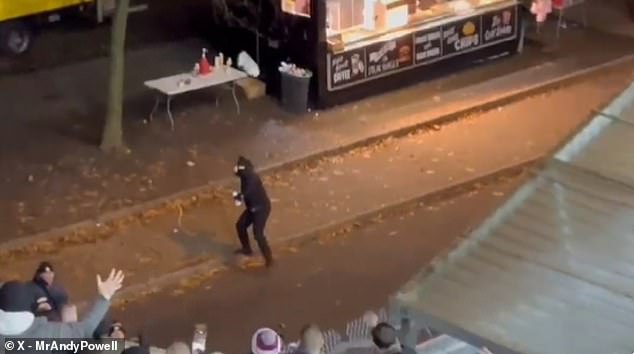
(252, 190)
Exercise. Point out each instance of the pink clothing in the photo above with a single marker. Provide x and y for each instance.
(541, 9)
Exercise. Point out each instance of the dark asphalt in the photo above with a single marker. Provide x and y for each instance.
(328, 282)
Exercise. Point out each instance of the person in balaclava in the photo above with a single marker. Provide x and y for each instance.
(257, 209)
(51, 296)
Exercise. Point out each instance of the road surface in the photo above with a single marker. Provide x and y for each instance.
(328, 281)
(327, 191)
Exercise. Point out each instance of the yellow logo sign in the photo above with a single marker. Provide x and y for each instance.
(468, 28)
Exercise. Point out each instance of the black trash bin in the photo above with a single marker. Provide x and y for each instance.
(295, 91)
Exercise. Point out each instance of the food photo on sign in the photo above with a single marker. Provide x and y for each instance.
(347, 67)
(389, 56)
(499, 25)
(461, 36)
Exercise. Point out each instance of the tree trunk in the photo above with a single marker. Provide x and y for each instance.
(112, 136)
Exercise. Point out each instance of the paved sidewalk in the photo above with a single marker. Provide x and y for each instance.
(334, 189)
(53, 179)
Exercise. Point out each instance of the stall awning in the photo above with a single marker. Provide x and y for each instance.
(552, 270)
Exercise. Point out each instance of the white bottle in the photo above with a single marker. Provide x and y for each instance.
(237, 201)
(200, 339)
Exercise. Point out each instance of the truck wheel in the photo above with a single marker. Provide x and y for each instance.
(15, 38)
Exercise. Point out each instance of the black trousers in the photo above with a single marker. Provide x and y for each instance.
(258, 220)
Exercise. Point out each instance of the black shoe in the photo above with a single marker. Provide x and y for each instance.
(242, 251)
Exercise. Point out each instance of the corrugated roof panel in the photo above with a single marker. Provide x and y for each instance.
(609, 153)
(628, 113)
(552, 270)
(623, 106)
(527, 307)
(522, 305)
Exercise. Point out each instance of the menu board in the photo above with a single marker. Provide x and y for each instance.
(347, 67)
(427, 45)
(461, 36)
(423, 47)
(499, 25)
(389, 56)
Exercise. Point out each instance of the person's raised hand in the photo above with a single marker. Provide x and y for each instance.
(108, 287)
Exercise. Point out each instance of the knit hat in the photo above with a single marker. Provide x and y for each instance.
(16, 296)
(266, 341)
(384, 335)
(44, 267)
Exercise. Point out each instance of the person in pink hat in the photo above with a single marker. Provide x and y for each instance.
(266, 341)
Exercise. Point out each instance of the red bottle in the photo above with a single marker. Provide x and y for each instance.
(205, 68)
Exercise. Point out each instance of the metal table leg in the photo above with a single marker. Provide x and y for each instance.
(156, 104)
(235, 99)
(169, 111)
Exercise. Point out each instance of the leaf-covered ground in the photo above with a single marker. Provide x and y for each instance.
(332, 189)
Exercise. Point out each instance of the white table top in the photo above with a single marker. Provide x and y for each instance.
(169, 85)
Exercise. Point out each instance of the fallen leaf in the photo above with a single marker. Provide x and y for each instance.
(190, 163)
(469, 169)
(393, 233)
(338, 173)
(430, 172)
(498, 194)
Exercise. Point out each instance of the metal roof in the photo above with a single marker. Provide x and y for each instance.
(552, 270)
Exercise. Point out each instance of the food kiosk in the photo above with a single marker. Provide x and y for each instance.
(365, 47)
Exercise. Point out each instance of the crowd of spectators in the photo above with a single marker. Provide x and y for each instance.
(40, 308)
